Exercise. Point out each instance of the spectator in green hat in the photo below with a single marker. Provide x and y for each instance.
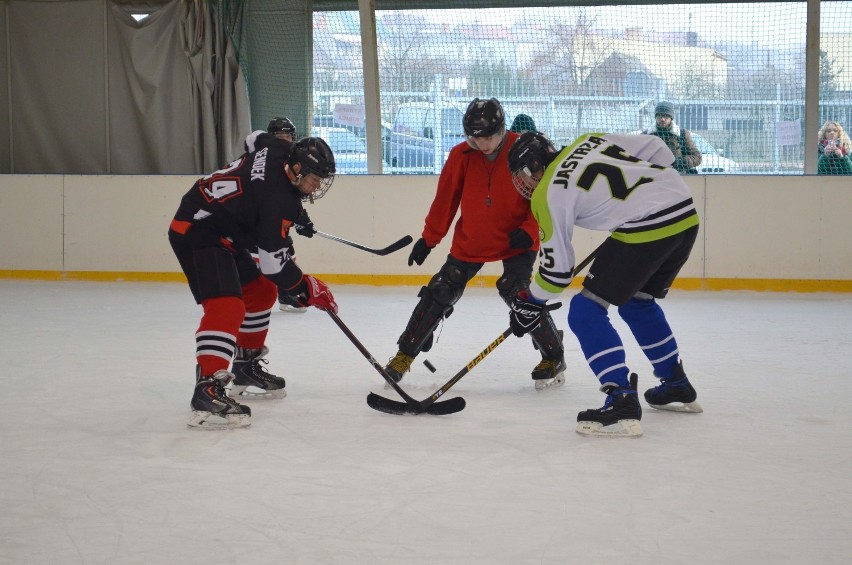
(523, 123)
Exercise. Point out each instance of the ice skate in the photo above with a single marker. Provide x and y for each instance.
(212, 409)
(675, 394)
(549, 373)
(618, 417)
(289, 304)
(251, 379)
(398, 366)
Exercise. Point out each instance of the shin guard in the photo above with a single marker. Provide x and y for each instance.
(648, 323)
(599, 341)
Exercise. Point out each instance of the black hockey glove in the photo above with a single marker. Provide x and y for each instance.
(304, 225)
(525, 314)
(419, 252)
(520, 239)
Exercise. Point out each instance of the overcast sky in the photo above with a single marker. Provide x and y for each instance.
(775, 24)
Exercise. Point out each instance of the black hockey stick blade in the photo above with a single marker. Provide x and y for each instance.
(431, 405)
(388, 406)
(412, 405)
(395, 246)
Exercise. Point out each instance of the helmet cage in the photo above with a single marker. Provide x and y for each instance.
(315, 157)
(529, 155)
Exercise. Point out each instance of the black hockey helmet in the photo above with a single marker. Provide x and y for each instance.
(281, 125)
(529, 156)
(314, 156)
(484, 118)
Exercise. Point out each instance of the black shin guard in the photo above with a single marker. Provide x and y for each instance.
(547, 339)
(427, 314)
(436, 303)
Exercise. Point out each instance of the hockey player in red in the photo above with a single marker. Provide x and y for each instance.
(495, 225)
(251, 204)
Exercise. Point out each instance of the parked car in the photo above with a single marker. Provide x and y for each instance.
(350, 151)
(713, 161)
(410, 145)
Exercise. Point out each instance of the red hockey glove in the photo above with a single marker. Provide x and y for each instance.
(319, 295)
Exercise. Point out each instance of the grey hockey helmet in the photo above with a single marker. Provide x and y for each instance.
(484, 118)
(529, 156)
(314, 156)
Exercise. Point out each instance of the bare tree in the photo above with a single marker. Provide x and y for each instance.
(569, 54)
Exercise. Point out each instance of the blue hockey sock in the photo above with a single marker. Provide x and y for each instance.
(600, 342)
(653, 334)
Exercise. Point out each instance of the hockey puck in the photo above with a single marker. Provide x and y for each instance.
(429, 365)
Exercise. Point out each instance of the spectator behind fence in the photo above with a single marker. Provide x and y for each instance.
(522, 124)
(834, 149)
(678, 139)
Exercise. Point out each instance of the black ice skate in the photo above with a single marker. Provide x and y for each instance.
(619, 416)
(675, 394)
(251, 379)
(549, 373)
(398, 366)
(212, 409)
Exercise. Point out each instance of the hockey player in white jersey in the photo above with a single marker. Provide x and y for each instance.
(622, 184)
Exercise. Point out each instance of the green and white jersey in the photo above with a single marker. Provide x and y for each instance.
(616, 183)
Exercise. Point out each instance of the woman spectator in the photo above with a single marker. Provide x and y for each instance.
(834, 149)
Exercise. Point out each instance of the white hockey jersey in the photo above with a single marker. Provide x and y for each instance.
(616, 183)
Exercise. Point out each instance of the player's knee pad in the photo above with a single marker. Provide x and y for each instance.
(508, 286)
(447, 286)
(260, 294)
(637, 309)
(584, 313)
(223, 314)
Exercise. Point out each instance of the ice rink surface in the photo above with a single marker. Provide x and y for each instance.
(97, 465)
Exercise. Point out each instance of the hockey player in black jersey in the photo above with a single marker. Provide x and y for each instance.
(251, 204)
(282, 129)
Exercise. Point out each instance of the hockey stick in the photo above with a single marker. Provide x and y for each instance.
(382, 404)
(410, 406)
(395, 246)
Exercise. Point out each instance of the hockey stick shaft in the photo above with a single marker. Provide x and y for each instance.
(395, 246)
(585, 262)
(411, 405)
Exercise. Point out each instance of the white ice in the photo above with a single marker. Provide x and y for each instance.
(98, 466)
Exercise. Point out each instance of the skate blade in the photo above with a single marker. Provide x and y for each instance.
(240, 392)
(209, 421)
(688, 408)
(622, 428)
(543, 384)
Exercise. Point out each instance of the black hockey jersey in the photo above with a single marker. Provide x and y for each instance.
(250, 204)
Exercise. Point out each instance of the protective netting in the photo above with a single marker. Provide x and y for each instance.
(735, 74)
